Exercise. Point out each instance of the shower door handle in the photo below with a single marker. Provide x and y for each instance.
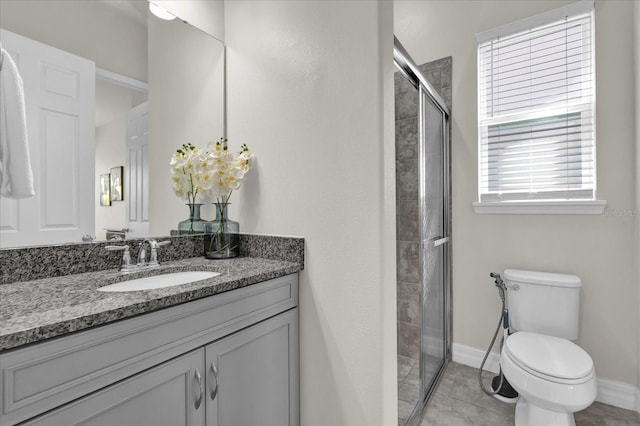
(440, 241)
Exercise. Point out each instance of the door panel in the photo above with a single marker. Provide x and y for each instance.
(59, 192)
(433, 182)
(137, 192)
(252, 375)
(433, 327)
(434, 245)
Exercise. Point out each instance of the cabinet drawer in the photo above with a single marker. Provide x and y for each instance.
(46, 375)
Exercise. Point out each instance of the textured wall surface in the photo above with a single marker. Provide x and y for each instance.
(310, 90)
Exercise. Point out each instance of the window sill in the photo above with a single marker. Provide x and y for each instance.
(541, 207)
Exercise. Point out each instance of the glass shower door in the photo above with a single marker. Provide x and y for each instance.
(434, 241)
(423, 226)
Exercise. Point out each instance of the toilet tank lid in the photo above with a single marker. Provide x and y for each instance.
(546, 278)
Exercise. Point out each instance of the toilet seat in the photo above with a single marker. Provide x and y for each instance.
(550, 358)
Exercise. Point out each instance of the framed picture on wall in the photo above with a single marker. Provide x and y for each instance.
(105, 190)
(116, 184)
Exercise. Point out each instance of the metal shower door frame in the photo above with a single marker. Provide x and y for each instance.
(406, 65)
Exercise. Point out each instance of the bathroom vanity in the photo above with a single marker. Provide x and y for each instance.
(222, 350)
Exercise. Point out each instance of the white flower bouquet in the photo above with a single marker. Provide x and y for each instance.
(212, 174)
(187, 173)
(227, 171)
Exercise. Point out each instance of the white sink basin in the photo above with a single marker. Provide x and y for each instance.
(159, 281)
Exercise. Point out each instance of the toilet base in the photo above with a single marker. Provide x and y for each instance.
(506, 393)
(528, 414)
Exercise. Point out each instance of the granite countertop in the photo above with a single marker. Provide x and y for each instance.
(31, 311)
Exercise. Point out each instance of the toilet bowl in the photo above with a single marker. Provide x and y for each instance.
(554, 377)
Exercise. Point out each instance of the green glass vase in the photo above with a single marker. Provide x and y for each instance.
(194, 224)
(221, 235)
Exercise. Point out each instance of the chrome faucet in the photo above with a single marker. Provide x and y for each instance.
(126, 266)
(154, 247)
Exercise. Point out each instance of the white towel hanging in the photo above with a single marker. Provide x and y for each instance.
(16, 176)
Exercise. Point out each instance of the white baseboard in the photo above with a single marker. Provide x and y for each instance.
(611, 392)
(618, 394)
(472, 357)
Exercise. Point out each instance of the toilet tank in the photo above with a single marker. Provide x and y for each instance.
(542, 302)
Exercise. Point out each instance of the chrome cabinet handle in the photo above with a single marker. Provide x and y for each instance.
(198, 381)
(213, 384)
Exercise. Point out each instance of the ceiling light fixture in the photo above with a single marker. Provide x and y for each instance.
(160, 12)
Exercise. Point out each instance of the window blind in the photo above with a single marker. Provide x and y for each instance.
(536, 112)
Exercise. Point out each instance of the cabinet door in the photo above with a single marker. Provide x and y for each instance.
(252, 375)
(171, 394)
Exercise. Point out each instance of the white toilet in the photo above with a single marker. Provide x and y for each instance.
(554, 376)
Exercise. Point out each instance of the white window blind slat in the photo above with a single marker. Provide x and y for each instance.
(536, 111)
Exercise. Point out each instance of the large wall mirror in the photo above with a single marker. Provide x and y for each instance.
(152, 85)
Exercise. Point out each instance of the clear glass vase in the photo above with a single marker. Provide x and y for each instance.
(221, 235)
(194, 224)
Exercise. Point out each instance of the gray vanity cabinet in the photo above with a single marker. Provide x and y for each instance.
(250, 380)
(226, 360)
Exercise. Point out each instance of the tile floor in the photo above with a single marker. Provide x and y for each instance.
(409, 383)
(459, 401)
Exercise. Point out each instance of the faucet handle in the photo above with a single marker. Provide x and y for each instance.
(155, 246)
(142, 253)
(125, 264)
(117, 248)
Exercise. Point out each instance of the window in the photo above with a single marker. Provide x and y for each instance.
(536, 112)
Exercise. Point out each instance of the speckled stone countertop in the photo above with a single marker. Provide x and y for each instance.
(31, 311)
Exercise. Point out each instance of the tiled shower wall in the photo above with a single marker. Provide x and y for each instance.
(438, 73)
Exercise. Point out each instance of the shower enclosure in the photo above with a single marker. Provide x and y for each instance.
(423, 229)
